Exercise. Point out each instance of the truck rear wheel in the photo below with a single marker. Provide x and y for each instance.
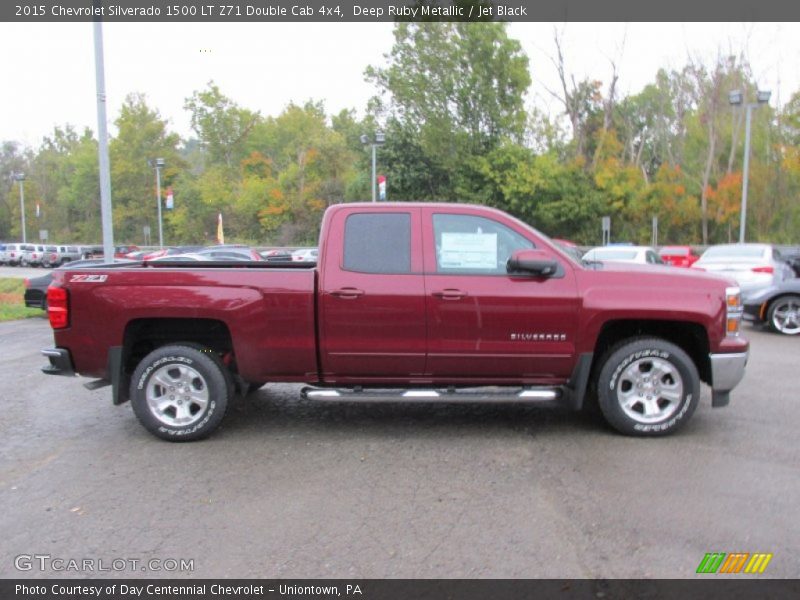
(647, 387)
(180, 392)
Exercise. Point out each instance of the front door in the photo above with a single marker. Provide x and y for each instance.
(485, 323)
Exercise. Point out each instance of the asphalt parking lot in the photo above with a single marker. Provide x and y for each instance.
(289, 488)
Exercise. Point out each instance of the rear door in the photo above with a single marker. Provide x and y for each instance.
(372, 296)
(483, 322)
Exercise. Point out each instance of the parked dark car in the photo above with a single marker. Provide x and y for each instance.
(776, 306)
(792, 257)
(230, 252)
(277, 255)
(168, 251)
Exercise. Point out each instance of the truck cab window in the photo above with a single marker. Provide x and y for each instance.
(378, 243)
(466, 243)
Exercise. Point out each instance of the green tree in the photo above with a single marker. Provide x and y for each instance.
(12, 161)
(142, 136)
(221, 125)
(454, 91)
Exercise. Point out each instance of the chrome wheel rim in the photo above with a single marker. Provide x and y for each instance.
(786, 316)
(650, 390)
(177, 395)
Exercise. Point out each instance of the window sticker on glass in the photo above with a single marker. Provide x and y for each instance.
(468, 251)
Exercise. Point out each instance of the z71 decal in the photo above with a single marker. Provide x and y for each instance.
(88, 278)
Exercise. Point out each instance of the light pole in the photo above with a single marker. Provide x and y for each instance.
(378, 140)
(20, 178)
(159, 164)
(736, 98)
(102, 146)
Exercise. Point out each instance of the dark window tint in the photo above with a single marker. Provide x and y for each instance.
(378, 243)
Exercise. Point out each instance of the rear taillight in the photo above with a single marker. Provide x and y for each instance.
(27, 283)
(763, 269)
(58, 307)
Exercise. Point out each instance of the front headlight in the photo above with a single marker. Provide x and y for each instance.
(734, 310)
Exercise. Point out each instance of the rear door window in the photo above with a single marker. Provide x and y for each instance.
(378, 243)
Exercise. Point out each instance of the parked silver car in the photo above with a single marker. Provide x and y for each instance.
(753, 266)
(12, 255)
(55, 256)
(32, 255)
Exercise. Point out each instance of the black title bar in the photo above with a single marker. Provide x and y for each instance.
(397, 589)
(371, 11)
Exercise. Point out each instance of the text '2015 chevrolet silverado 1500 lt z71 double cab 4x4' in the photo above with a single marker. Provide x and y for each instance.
(408, 302)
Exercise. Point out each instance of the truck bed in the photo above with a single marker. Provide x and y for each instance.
(266, 308)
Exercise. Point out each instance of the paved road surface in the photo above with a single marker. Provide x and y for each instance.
(289, 488)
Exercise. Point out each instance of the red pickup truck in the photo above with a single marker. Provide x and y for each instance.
(408, 302)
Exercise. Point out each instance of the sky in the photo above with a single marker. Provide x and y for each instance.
(48, 70)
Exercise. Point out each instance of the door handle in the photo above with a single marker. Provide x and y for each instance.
(347, 293)
(450, 294)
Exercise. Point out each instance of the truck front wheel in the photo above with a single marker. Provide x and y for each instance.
(647, 387)
(180, 392)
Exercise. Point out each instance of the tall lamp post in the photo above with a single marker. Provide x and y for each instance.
(736, 98)
(378, 140)
(20, 178)
(158, 164)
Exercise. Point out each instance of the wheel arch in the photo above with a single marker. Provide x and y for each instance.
(691, 337)
(142, 336)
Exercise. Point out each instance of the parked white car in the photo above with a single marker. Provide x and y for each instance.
(753, 266)
(642, 255)
(32, 255)
(13, 254)
(305, 255)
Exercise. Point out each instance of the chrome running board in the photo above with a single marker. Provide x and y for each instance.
(474, 394)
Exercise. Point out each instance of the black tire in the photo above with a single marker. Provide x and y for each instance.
(207, 385)
(783, 315)
(647, 387)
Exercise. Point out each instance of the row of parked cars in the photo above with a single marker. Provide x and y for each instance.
(40, 255)
(36, 288)
(769, 279)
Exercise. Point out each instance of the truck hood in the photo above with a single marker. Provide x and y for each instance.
(660, 275)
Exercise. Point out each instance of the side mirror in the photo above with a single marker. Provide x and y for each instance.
(535, 262)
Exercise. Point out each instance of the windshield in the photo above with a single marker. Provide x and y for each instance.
(607, 254)
(739, 252)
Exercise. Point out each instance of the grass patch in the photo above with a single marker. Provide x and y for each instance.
(12, 301)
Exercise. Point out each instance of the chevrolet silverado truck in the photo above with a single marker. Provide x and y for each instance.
(408, 302)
